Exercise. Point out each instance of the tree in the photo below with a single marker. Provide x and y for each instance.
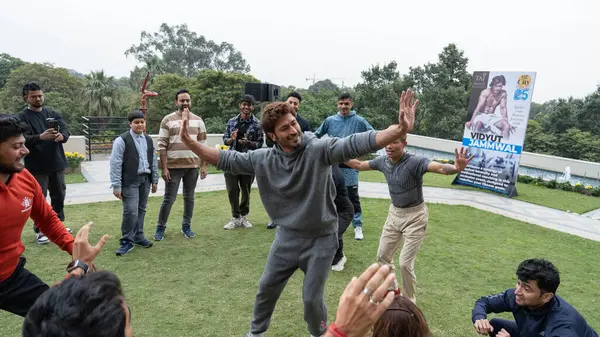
(166, 86)
(62, 91)
(588, 115)
(578, 145)
(377, 95)
(443, 90)
(8, 64)
(185, 53)
(155, 65)
(215, 96)
(101, 95)
(323, 85)
(539, 141)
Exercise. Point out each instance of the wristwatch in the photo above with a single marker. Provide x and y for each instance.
(77, 264)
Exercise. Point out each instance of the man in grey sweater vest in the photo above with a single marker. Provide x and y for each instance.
(297, 190)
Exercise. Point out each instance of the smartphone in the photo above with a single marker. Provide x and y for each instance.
(52, 123)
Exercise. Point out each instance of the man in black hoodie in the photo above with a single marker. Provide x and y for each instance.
(46, 159)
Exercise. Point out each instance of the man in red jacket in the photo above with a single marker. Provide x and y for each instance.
(21, 198)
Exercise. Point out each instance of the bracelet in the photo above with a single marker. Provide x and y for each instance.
(335, 331)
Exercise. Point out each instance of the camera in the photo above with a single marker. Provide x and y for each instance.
(52, 124)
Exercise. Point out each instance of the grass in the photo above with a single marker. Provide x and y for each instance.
(75, 178)
(206, 286)
(562, 200)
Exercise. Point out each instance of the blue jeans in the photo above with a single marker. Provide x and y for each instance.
(135, 198)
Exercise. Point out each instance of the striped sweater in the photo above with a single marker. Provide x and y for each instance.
(178, 155)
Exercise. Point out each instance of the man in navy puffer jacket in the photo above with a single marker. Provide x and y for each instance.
(537, 310)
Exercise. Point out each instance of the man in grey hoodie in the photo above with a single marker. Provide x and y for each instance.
(297, 190)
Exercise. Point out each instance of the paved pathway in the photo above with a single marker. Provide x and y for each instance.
(98, 189)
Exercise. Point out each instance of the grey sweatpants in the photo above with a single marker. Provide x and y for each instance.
(288, 253)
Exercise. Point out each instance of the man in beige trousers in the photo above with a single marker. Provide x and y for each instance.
(406, 223)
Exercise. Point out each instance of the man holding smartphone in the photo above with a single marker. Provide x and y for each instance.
(46, 160)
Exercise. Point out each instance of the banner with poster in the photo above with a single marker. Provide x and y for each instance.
(495, 129)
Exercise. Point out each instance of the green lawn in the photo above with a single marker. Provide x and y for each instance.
(562, 200)
(206, 286)
(75, 178)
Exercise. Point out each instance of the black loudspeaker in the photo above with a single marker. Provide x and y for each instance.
(262, 92)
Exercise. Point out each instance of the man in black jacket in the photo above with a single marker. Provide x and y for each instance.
(294, 99)
(46, 159)
(537, 310)
(345, 212)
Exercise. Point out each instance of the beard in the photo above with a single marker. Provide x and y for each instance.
(10, 169)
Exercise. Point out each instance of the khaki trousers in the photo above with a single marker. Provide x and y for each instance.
(404, 227)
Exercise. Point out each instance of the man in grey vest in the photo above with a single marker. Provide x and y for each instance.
(133, 171)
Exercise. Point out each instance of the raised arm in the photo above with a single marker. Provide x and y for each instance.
(460, 162)
(341, 150)
(229, 161)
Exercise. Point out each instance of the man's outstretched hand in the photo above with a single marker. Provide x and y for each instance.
(408, 107)
(462, 158)
(83, 250)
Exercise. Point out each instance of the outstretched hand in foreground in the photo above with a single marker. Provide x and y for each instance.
(364, 300)
(83, 250)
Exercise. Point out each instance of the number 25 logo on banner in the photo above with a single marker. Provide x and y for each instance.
(522, 94)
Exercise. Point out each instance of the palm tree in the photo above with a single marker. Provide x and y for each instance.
(100, 95)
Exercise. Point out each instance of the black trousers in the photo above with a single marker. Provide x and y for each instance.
(20, 290)
(509, 326)
(236, 184)
(344, 221)
(53, 182)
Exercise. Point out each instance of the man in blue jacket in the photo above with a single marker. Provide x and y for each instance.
(537, 310)
(343, 124)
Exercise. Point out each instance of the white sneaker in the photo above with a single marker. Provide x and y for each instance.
(41, 239)
(340, 265)
(233, 223)
(358, 233)
(245, 223)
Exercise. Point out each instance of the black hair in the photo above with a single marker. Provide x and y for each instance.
(247, 98)
(181, 91)
(295, 94)
(11, 126)
(498, 79)
(80, 306)
(135, 114)
(542, 271)
(31, 86)
(345, 96)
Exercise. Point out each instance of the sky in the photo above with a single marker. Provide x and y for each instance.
(286, 43)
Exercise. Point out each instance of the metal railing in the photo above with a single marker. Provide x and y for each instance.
(101, 131)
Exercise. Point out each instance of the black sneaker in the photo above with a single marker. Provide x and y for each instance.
(187, 232)
(144, 243)
(271, 225)
(160, 233)
(125, 248)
